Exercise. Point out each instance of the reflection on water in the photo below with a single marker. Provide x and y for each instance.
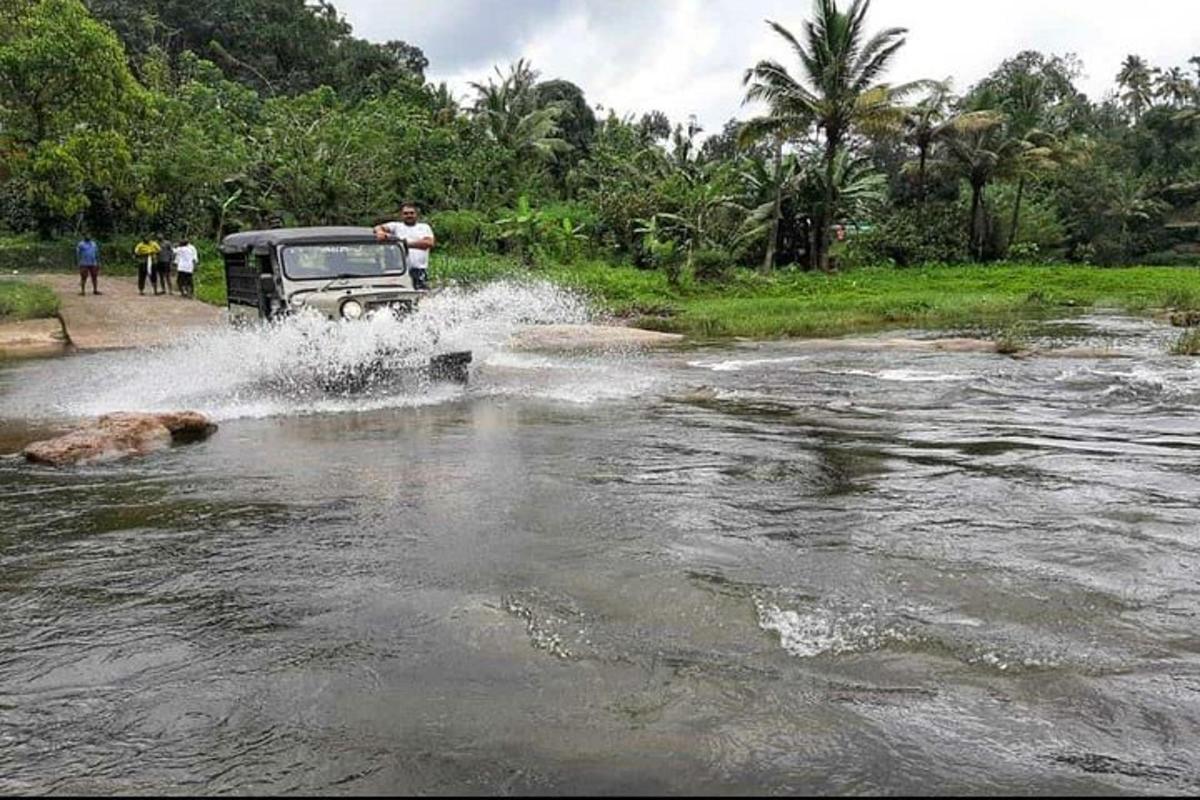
(810, 572)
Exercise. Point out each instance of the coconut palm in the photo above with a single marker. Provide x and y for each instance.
(837, 89)
(1137, 79)
(854, 187)
(1029, 122)
(511, 116)
(1175, 87)
(925, 123)
(979, 149)
(1128, 207)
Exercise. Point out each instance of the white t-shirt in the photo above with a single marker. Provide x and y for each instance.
(186, 258)
(417, 259)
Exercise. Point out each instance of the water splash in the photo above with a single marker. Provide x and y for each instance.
(823, 632)
(286, 368)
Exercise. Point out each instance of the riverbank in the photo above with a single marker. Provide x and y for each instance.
(29, 321)
(119, 317)
(22, 300)
(800, 304)
(987, 299)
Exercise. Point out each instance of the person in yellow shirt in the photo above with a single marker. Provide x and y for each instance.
(146, 251)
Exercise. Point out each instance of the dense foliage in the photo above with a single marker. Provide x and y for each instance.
(207, 116)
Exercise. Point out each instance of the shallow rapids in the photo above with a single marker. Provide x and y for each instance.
(745, 569)
(284, 368)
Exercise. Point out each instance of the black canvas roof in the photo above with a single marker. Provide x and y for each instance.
(262, 241)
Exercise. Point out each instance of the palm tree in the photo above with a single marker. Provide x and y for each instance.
(1128, 207)
(838, 91)
(511, 116)
(764, 184)
(443, 103)
(1137, 79)
(855, 185)
(980, 150)
(1027, 117)
(1175, 87)
(925, 123)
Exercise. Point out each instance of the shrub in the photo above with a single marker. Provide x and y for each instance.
(1012, 337)
(1171, 258)
(711, 264)
(1188, 343)
(463, 230)
(1039, 223)
(934, 233)
(1024, 252)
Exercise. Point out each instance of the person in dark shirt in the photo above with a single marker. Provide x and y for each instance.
(162, 265)
(87, 257)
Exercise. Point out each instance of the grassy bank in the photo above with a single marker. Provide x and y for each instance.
(807, 304)
(788, 303)
(20, 300)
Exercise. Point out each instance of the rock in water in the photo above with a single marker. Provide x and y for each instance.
(121, 435)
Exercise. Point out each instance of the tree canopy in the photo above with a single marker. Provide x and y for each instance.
(206, 116)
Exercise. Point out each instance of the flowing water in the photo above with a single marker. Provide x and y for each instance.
(744, 568)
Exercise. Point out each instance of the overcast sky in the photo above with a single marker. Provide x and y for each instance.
(687, 56)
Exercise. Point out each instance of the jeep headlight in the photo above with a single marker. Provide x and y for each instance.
(298, 301)
(352, 309)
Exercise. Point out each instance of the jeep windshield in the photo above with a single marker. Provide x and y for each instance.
(330, 261)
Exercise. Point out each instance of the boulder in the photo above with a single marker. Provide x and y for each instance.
(120, 435)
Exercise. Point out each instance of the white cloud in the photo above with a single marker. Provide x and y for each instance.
(687, 56)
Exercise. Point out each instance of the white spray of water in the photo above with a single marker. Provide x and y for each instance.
(286, 368)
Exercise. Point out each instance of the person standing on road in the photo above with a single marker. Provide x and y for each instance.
(145, 252)
(186, 260)
(162, 265)
(419, 238)
(87, 257)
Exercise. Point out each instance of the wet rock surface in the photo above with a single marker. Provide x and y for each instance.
(120, 435)
(564, 338)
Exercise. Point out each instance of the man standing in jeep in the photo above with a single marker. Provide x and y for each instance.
(419, 238)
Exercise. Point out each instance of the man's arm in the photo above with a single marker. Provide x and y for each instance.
(425, 242)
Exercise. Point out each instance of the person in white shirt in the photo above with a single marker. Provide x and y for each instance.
(186, 259)
(419, 238)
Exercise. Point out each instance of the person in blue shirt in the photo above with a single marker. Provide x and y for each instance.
(87, 256)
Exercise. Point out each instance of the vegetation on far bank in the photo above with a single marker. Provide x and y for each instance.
(20, 300)
(752, 304)
(142, 117)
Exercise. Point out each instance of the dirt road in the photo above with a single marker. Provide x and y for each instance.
(120, 317)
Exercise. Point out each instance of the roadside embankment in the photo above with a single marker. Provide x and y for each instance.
(29, 321)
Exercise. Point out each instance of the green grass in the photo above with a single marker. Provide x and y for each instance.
(788, 303)
(20, 300)
(807, 304)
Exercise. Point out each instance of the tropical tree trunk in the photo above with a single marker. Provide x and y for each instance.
(777, 212)
(826, 215)
(921, 191)
(976, 222)
(1016, 215)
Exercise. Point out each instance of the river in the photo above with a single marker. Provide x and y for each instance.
(741, 568)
